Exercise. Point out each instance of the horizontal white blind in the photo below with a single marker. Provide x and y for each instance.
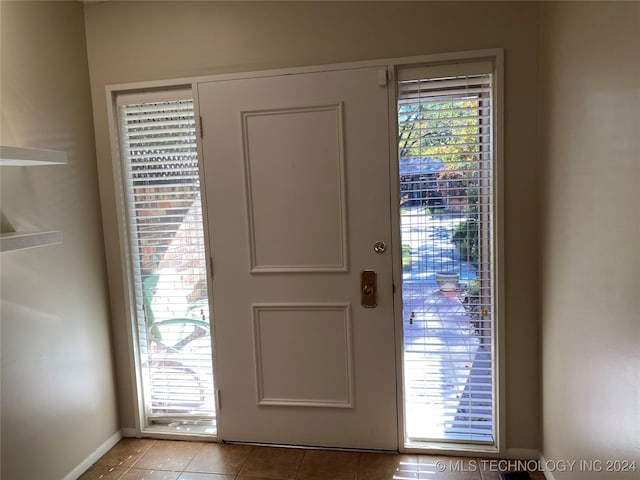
(446, 180)
(166, 235)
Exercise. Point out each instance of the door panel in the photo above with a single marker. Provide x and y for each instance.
(318, 337)
(294, 167)
(297, 192)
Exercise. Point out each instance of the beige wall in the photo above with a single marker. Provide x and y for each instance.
(140, 41)
(57, 383)
(58, 401)
(590, 230)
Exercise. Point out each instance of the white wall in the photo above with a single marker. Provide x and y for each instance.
(58, 400)
(590, 233)
(139, 41)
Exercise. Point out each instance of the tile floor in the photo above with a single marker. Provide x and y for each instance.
(146, 459)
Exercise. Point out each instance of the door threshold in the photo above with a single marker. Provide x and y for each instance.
(450, 449)
(308, 447)
(182, 430)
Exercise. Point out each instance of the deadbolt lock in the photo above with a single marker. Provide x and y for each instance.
(379, 247)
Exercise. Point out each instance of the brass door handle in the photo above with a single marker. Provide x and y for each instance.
(369, 289)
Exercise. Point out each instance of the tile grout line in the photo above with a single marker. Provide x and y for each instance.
(358, 466)
(153, 444)
(184, 469)
(128, 469)
(246, 459)
(300, 465)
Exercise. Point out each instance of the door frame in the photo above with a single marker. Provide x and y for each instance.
(496, 55)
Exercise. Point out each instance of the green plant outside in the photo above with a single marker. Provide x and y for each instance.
(406, 257)
(474, 288)
(465, 238)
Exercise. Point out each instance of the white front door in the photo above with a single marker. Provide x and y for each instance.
(297, 194)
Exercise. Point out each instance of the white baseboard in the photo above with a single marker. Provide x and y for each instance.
(522, 454)
(94, 457)
(547, 474)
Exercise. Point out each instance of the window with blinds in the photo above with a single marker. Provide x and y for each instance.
(163, 207)
(446, 167)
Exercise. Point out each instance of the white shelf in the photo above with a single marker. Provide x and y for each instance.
(25, 157)
(20, 241)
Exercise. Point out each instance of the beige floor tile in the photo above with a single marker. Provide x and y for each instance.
(101, 472)
(325, 464)
(272, 462)
(126, 452)
(382, 466)
(218, 458)
(137, 474)
(169, 455)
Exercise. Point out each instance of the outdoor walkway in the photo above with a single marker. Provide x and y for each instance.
(443, 357)
(447, 369)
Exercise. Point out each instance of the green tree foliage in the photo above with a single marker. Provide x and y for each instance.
(448, 130)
